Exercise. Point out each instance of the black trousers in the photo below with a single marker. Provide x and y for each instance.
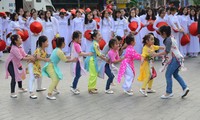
(12, 74)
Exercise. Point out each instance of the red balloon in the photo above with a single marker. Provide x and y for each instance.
(102, 43)
(36, 27)
(160, 24)
(88, 10)
(133, 26)
(54, 43)
(87, 35)
(24, 34)
(150, 26)
(185, 39)
(20, 33)
(2, 14)
(2, 45)
(193, 28)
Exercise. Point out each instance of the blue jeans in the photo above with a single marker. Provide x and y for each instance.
(78, 75)
(110, 76)
(173, 69)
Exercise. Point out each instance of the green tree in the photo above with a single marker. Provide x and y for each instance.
(132, 3)
(196, 2)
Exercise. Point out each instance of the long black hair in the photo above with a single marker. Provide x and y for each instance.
(45, 18)
(87, 20)
(103, 14)
(115, 15)
(73, 16)
(41, 40)
(13, 17)
(129, 18)
(153, 15)
(195, 15)
(112, 42)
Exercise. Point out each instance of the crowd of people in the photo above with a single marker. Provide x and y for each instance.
(123, 45)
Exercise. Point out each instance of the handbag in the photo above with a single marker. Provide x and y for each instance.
(153, 73)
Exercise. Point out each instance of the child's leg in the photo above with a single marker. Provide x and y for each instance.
(110, 76)
(129, 77)
(54, 78)
(144, 84)
(78, 75)
(179, 79)
(32, 78)
(12, 74)
(150, 83)
(39, 83)
(93, 75)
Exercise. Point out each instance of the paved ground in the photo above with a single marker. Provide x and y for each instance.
(118, 106)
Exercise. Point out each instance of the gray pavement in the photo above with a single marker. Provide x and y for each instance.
(118, 106)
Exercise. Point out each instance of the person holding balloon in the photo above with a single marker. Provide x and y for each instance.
(193, 47)
(135, 21)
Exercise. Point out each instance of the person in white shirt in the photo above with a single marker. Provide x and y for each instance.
(160, 18)
(78, 24)
(90, 24)
(119, 25)
(193, 46)
(183, 19)
(175, 25)
(105, 26)
(63, 23)
(50, 29)
(133, 17)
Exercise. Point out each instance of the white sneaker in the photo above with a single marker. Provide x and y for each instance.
(13, 95)
(143, 92)
(33, 96)
(185, 92)
(128, 92)
(40, 90)
(56, 91)
(22, 90)
(51, 97)
(166, 96)
(151, 91)
(109, 91)
(75, 91)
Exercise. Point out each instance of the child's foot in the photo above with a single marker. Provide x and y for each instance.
(56, 91)
(75, 91)
(185, 92)
(50, 97)
(93, 91)
(33, 96)
(22, 90)
(13, 95)
(109, 91)
(151, 91)
(143, 92)
(42, 89)
(166, 96)
(128, 92)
